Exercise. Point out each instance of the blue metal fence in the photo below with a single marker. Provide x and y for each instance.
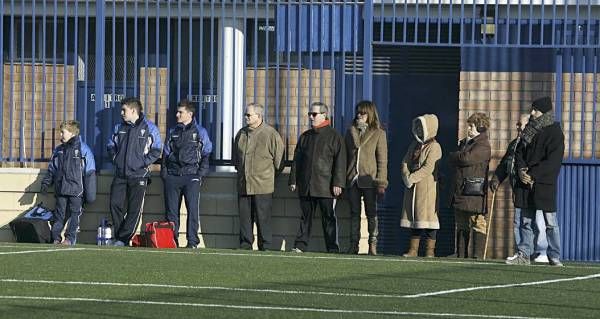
(76, 59)
(109, 48)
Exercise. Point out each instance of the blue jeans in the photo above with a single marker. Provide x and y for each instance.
(539, 231)
(528, 216)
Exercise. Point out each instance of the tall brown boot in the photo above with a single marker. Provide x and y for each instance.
(413, 247)
(373, 248)
(373, 227)
(430, 248)
(478, 245)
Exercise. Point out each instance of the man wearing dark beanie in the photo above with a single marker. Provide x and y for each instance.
(543, 104)
(538, 159)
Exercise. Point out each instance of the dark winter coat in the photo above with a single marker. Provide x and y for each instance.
(133, 147)
(186, 151)
(319, 163)
(471, 160)
(542, 157)
(507, 167)
(72, 170)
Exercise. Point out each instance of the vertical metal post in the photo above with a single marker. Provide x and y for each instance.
(22, 74)
(2, 30)
(113, 75)
(125, 47)
(86, 69)
(157, 61)
(44, 82)
(368, 50)
(146, 68)
(201, 71)
(99, 77)
(31, 129)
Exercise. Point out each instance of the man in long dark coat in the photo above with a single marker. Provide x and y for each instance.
(318, 173)
(538, 159)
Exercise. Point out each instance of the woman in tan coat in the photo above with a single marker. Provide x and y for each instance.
(366, 174)
(420, 176)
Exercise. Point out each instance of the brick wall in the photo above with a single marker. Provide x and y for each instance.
(32, 111)
(301, 92)
(155, 110)
(504, 96)
(578, 109)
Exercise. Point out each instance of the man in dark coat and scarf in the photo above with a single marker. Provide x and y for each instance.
(538, 159)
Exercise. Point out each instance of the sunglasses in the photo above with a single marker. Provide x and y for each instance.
(361, 113)
(314, 114)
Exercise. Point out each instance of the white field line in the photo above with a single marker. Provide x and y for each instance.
(271, 308)
(300, 292)
(525, 284)
(335, 257)
(38, 251)
(304, 256)
(276, 291)
(22, 246)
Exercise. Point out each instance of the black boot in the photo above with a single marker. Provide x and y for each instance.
(354, 233)
(462, 243)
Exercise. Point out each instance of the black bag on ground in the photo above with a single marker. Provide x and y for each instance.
(33, 227)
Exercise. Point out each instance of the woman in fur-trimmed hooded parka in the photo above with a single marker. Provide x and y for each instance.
(420, 176)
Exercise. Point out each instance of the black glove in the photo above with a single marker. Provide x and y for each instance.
(494, 183)
(44, 189)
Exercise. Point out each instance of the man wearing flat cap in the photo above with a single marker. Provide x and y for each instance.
(538, 158)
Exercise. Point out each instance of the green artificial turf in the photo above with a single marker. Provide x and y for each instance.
(108, 282)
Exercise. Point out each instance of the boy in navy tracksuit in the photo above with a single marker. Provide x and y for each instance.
(72, 170)
(133, 146)
(185, 162)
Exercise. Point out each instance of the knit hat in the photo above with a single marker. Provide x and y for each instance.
(543, 104)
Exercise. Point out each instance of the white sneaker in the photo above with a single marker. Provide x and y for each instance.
(513, 257)
(543, 259)
(296, 250)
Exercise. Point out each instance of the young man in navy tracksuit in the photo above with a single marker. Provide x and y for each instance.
(185, 162)
(72, 170)
(134, 144)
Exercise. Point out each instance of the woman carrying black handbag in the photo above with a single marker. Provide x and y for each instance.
(471, 163)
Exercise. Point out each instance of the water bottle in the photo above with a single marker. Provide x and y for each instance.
(104, 236)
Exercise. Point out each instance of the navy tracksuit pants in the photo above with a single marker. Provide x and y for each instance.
(68, 208)
(127, 193)
(188, 187)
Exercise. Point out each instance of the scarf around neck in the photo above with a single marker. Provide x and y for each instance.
(534, 126)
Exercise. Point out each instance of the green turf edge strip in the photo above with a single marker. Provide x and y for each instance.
(249, 307)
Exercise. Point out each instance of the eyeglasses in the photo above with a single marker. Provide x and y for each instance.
(361, 113)
(314, 114)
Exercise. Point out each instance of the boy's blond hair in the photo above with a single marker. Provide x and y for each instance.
(71, 126)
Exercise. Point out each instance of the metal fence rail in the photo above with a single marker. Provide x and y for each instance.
(523, 23)
(77, 59)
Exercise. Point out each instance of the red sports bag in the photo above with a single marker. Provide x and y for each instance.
(156, 235)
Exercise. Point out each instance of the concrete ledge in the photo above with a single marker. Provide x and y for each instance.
(219, 222)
